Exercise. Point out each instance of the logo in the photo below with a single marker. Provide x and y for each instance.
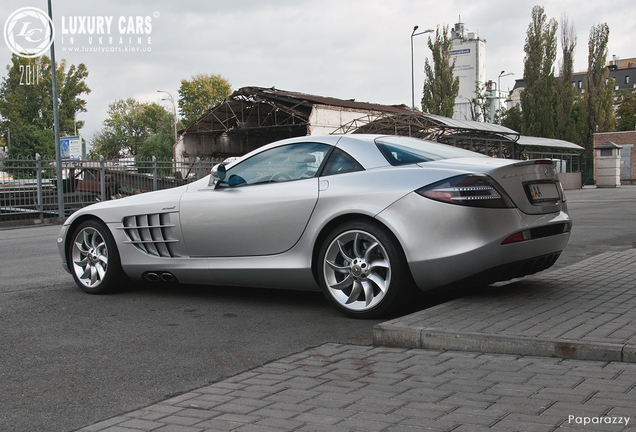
(29, 32)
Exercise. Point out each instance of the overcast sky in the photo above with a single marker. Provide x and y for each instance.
(347, 49)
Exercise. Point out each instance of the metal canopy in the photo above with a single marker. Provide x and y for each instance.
(249, 110)
(536, 143)
(473, 125)
(486, 138)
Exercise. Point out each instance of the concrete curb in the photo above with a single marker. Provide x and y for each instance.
(392, 335)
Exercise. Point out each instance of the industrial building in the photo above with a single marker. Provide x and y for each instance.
(469, 55)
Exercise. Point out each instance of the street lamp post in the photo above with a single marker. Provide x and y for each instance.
(413, 34)
(174, 108)
(503, 73)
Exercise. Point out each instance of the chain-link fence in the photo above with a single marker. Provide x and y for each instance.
(29, 187)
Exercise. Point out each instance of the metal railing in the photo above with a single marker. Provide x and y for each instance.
(28, 186)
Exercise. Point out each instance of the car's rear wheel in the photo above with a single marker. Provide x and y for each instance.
(94, 259)
(363, 272)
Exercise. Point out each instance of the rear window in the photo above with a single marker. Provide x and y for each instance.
(399, 150)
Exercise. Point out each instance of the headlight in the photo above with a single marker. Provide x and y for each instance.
(474, 190)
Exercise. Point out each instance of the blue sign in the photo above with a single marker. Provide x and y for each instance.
(71, 148)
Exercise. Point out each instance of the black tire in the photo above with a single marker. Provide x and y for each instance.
(94, 260)
(362, 270)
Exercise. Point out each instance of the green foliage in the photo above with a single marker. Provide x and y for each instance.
(130, 127)
(512, 119)
(480, 104)
(598, 89)
(626, 111)
(200, 93)
(70, 103)
(159, 145)
(538, 98)
(26, 105)
(579, 119)
(440, 87)
(566, 94)
(552, 107)
(29, 139)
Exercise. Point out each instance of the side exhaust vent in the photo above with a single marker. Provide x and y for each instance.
(151, 234)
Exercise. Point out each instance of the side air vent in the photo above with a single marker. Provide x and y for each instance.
(151, 234)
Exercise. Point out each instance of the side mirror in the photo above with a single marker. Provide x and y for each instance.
(217, 174)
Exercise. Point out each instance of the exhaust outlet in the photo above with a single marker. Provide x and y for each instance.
(167, 277)
(152, 277)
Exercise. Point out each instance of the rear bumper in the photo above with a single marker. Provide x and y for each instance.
(490, 264)
(506, 272)
(447, 243)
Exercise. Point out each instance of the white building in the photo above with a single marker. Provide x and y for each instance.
(469, 53)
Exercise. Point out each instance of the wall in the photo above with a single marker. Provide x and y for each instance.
(325, 119)
(470, 66)
(622, 139)
(571, 181)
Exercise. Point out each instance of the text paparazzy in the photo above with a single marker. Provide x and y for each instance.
(598, 420)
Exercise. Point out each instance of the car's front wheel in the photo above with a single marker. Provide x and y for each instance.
(363, 272)
(94, 259)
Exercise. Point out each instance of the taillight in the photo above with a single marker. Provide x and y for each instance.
(474, 190)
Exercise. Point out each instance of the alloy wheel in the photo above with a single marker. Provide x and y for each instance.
(357, 270)
(89, 256)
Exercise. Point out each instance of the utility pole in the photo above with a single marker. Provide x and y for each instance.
(56, 126)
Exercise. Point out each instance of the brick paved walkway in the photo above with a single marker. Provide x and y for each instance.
(352, 388)
(584, 311)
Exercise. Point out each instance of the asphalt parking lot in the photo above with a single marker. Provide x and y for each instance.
(70, 360)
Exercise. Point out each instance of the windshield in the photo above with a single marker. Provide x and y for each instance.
(399, 150)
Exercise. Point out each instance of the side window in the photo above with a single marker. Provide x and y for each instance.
(340, 162)
(279, 164)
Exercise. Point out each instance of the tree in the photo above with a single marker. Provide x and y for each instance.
(626, 111)
(599, 90)
(513, 119)
(129, 128)
(70, 103)
(480, 104)
(440, 87)
(200, 93)
(159, 145)
(565, 92)
(26, 105)
(538, 98)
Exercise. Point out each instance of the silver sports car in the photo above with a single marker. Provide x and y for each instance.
(367, 219)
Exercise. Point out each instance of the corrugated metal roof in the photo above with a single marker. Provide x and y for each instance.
(325, 100)
(472, 125)
(528, 141)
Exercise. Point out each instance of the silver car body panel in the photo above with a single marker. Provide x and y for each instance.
(266, 235)
(238, 221)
